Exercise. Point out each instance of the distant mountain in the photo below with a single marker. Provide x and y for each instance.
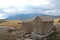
(57, 17)
(23, 16)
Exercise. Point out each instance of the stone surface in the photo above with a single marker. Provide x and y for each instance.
(28, 39)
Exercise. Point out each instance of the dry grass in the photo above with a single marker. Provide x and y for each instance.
(7, 36)
(12, 23)
(56, 21)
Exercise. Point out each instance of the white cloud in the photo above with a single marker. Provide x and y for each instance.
(52, 12)
(50, 7)
(8, 3)
(3, 16)
(39, 2)
(9, 10)
(22, 3)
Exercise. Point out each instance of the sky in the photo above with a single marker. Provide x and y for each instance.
(14, 7)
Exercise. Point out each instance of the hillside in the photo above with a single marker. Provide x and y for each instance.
(23, 16)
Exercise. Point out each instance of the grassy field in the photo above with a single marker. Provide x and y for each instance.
(12, 23)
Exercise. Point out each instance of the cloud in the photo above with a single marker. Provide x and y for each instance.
(22, 3)
(16, 3)
(38, 2)
(3, 16)
(13, 7)
(22, 6)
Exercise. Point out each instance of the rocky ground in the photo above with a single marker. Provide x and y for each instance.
(21, 35)
(53, 36)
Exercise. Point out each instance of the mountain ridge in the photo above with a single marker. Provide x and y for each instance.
(27, 16)
(23, 16)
